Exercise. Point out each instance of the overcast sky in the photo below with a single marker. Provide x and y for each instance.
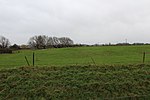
(84, 21)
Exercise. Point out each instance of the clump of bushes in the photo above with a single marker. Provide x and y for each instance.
(3, 51)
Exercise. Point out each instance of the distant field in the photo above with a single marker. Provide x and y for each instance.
(78, 56)
(76, 83)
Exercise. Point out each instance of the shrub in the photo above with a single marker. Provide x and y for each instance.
(2, 51)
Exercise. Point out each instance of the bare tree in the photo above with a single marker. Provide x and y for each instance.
(42, 42)
(56, 41)
(39, 42)
(4, 42)
(33, 42)
(50, 42)
(65, 41)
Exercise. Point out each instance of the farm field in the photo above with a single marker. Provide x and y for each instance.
(106, 72)
(78, 56)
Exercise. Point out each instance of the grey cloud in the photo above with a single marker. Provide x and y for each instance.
(85, 21)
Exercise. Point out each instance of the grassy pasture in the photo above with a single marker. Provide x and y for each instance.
(117, 74)
(78, 56)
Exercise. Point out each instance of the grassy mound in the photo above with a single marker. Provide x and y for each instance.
(75, 82)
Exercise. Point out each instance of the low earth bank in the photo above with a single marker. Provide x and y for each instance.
(75, 82)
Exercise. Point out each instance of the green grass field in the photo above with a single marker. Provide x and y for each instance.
(85, 73)
(78, 56)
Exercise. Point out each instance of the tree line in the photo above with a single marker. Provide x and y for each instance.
(43, 42)
(39, 42)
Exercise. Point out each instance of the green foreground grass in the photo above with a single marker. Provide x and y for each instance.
(75, 82)
(78, 56)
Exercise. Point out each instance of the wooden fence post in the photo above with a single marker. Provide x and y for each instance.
(93, 61)
(144, 57)
(33, 58)
(27, 61)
